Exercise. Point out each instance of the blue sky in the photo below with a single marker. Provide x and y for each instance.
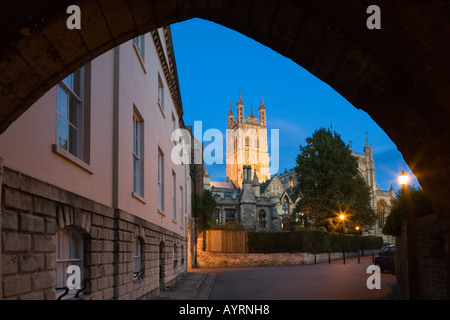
(215, 62)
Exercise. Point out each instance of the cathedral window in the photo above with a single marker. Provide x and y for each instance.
(285, 206)
(230, 215)
(262, 219)
(216, 217)
(381, 210)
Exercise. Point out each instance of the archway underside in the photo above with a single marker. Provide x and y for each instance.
(399, 75)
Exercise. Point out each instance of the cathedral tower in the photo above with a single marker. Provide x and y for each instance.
(247, 144)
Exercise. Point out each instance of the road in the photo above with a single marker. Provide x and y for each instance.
(335, 281)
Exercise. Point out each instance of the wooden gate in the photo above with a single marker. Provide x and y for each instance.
(227, 241)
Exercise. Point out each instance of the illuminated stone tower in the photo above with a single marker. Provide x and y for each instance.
(247, 144)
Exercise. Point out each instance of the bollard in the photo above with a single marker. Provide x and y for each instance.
(358, 258)
(329, 257)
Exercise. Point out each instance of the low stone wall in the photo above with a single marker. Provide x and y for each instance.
(226, 260)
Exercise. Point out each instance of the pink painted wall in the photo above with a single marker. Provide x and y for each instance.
(26, 146)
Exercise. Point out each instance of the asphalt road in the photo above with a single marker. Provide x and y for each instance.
(335, 281)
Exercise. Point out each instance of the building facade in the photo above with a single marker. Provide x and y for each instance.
(256, 206)
(89, 186)
(247, 144)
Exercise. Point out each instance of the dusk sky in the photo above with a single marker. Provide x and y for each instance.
(215, 62)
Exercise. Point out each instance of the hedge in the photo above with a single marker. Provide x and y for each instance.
(312, 241)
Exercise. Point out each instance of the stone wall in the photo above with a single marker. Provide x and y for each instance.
(420, 259)
(224, 260)
(33, 212)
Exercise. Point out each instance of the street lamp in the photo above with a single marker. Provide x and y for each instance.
(342, 218)
(403, 179)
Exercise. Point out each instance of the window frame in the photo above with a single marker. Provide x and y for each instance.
(174, 196)
(160, 181)
(138, 154)
(139, 48)
(74, 240)
(70, 92)
(82, 159)
(138, 258)
(160, 99)
(230, 215)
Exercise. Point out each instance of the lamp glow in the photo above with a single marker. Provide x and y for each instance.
(403, 178)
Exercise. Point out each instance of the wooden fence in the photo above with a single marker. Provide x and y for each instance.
(226, 241)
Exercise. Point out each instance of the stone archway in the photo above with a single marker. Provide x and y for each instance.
(399, 75)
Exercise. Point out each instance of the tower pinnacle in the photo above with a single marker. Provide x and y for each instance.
(262, 103)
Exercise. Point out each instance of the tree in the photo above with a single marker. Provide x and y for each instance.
(328, 183)
(409, 202)
(204, 206)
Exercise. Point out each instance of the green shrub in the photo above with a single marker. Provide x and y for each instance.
(312, 241)
(413, 203)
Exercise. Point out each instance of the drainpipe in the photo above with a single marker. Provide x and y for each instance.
(1, 227)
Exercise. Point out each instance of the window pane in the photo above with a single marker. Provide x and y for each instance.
(62, 133)
(161, 182)
(69, 80)
(62, 102)
(70, 251)
(73, 140)
(74, 111)
(134, 135)
(136, 175)
(174, 199)
(76, 86)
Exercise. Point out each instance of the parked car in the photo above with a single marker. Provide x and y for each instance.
(386, 259)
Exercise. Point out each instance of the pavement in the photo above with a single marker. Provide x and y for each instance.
(235, 283)
(193, 285)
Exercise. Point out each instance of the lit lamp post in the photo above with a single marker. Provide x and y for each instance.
(403, 180)
(357, 232)
(342, 218)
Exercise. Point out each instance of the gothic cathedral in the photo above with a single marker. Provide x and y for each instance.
(252, 198)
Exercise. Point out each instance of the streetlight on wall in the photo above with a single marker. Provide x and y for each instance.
(403, 180)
